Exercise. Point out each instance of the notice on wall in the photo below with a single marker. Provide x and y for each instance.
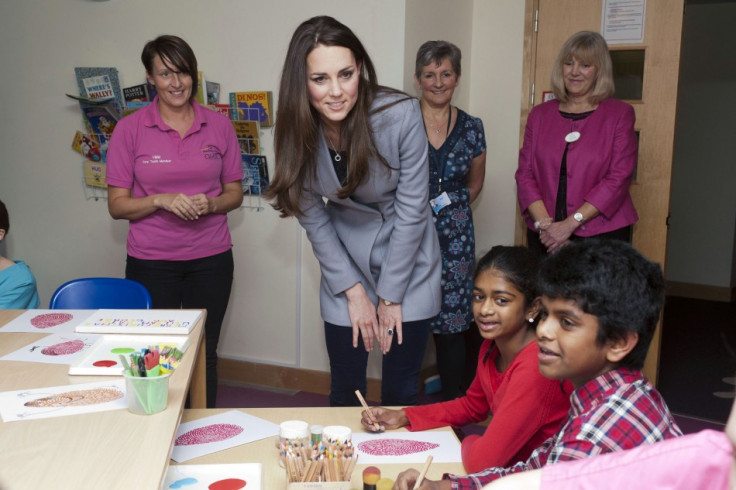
(623, 21)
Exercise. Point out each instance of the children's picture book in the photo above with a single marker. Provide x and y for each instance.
(223, 109)
(218, 432)
(212, 92)
(101, 122)
(135, 93)
(140, 322)
(47, 321)
(100, 83)
(54, 349)
(247, 133)
(151, 88)
(59, 401)
(201, 96)
(252, 106)
(87, 146)
(214, 476)
(255, 173)
(94, 174)
(406, 447)
(103, 356)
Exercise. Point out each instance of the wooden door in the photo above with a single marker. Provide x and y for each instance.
(549, 24)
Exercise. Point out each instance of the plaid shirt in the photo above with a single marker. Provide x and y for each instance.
(615, 411)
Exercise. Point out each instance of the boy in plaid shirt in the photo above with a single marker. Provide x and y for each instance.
(601, 303)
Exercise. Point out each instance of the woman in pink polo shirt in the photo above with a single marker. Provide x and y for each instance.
(579, 153)
(174, 171)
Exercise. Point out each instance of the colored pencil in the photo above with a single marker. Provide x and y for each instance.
(367, 409)
(418, 483)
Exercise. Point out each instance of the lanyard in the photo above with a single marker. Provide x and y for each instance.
(443, 163)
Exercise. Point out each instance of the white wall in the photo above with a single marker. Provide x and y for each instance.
(701, 246)
(274, 314)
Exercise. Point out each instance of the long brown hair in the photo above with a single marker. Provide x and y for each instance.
(296, 135)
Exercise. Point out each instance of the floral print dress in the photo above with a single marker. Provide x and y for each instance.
(454, 223)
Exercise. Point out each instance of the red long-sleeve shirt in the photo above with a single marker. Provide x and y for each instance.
(527, 409)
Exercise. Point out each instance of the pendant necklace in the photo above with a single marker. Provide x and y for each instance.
(337, 156)
(437, 129)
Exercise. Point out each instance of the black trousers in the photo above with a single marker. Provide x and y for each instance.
(199, 283)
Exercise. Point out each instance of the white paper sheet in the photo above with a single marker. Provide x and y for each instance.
(54, 349)
(218, 432)
(406, 447)
(47, 321)
(164, 322)
(89, 397)
(622, 21)
(206, 476)
(103, 358)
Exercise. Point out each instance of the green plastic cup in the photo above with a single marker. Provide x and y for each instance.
(147, 395)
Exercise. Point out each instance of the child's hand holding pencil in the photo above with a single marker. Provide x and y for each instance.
(378, 419)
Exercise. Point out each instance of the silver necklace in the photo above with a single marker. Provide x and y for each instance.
(337, 156)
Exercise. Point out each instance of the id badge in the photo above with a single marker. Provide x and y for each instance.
(440, 202)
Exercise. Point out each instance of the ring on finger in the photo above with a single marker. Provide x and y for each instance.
(390, 331)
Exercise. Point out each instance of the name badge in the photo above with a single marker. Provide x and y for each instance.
(440, 202)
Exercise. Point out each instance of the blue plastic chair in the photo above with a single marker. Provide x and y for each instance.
(101, 292)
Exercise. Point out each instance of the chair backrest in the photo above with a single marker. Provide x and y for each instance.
(101, 292)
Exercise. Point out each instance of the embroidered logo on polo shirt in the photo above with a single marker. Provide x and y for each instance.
(156, 159)
(210, 152)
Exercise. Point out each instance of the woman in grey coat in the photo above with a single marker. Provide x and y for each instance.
(351, 166)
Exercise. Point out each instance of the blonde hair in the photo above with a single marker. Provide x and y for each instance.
(588, 47)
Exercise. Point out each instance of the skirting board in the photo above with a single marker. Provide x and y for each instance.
(701, 291)
(292, 378)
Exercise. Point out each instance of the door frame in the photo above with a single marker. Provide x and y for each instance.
(651, 188)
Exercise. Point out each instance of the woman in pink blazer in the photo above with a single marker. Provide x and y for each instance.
(579, 153)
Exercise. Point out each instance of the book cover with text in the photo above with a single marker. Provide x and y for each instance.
(255, 173)
(252, 106)
(98, 82)
(247, 133)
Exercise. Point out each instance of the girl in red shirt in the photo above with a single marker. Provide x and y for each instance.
(526, 407)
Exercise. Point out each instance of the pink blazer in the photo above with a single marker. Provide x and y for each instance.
(600, 164)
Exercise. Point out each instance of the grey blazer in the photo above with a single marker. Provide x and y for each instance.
(383, 235)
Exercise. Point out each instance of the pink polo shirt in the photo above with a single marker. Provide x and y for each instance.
(696, 461)
(149, 157)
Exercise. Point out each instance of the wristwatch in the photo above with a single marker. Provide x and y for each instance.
(578, 217)
(387, 302)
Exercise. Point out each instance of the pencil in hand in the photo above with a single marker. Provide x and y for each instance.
(368, 410)
(420, 478)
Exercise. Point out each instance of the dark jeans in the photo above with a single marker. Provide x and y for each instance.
(400, 367)
(199, 283)
(535, 244)
(450, 351)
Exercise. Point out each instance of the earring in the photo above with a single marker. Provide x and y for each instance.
(531, 320)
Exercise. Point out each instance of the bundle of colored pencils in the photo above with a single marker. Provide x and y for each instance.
(318, 462)
(153, 361)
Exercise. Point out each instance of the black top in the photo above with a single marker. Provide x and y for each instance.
(561, 202)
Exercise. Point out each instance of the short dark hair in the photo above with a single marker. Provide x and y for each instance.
(435, 52)
(612, 281)
(4, 219)
(519, 267)
(174, 50)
